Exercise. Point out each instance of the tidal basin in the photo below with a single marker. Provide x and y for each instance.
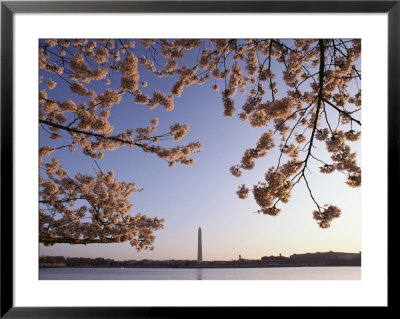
(267, 273)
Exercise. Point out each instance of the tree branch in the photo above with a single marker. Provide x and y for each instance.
(70, 129)
(74, 241)
(343, 112)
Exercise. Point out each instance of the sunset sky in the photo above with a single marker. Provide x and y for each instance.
(204, 194)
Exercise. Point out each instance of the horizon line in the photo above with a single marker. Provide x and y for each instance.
(317, 252)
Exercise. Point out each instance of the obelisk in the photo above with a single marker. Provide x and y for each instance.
(199, 248)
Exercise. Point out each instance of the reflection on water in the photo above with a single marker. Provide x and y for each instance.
(278, 273)
(198, 273)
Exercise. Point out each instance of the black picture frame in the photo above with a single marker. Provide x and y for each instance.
(9, 8)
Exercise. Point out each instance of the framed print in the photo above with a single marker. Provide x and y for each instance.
(196, 156)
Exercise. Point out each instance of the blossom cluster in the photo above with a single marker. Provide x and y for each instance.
(264, 144)
(328, 213)
(179, 131)
(277, 187)
(343, 159)
(177, 154)
(101, 214)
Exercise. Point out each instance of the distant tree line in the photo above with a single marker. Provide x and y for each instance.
(310, 259)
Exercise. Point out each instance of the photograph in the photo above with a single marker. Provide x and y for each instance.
(165, 159)
(199, 159)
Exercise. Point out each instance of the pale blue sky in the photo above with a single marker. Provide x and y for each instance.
(204, 194)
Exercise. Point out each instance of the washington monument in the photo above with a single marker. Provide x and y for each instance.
(199, 248)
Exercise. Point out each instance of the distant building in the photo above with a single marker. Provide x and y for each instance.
(199, 248)
(327, 258)
(275, 260)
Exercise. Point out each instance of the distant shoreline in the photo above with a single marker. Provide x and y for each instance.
(328, 259)
(201, 267)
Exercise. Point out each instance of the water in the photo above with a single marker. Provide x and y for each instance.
(279, 273)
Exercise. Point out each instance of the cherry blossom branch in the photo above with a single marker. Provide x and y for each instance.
(309, 190)
(63, 240)
(70, 129)
(50, 67)
(301, 174)
(343, 112)
(320, 98)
